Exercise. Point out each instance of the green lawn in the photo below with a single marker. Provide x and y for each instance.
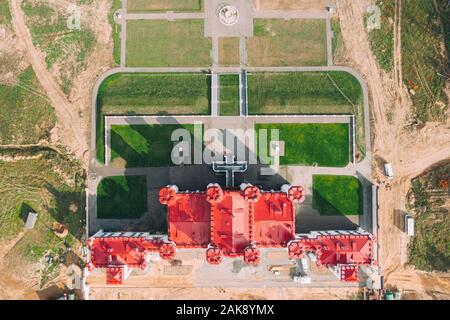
(139, 6)
(326, 145)
(303, 93)
(122, 197)
(337, 195)
(161, 43)
(145, 145)
(335, 92)
(116, 30)
(151, 94)
(229, 95)
(26, 117)
(295, 42)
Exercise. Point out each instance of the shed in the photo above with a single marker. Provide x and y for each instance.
(31, 220)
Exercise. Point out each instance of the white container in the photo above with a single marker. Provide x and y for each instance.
(409, 225)
(304, 264)
(389, 171)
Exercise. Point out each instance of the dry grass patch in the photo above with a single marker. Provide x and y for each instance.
(229, 52)
(297, 42)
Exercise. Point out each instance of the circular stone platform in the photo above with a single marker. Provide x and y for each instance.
(228, 15)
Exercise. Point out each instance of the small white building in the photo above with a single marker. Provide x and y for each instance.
(31, 220)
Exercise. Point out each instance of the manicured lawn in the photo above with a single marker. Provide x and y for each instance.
(303, 93)
(337, 195)
(229, 95)
(326, 145)
(122, 197)
(164, 5)
(151, 94)
(145, 145)
(229, 52)
(335, 92)
(161, 43)
(295, 42)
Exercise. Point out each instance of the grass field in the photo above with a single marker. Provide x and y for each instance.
(335, 92)
(326, 145)
(138, 6)
(64, 48)
(293, 42)
(229, 52)
(337, 44)
(145, 145)
(160, 43)
(382, 40)
(151, 94)
(33, 185)
(122, 197)
(26, 117)
(116, 30)
(337, 195)
(229, 95)
(429, 249)
(424, 60)
(5, 14)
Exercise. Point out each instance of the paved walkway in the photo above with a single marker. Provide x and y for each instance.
(160, 175)
(165, 16)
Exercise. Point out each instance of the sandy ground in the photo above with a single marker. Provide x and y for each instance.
(410, 152)
(72, 114)
(72, 117)
(221, 293)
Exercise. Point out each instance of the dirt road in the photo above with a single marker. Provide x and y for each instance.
(410, 151)
(69, 123)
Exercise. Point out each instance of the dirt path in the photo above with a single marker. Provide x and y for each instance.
(69, 123)
(410, 151)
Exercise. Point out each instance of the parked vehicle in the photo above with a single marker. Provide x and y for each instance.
(409, 225)
(389, 171)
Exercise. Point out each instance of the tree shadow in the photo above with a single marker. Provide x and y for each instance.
(25, 209)
(68, 210)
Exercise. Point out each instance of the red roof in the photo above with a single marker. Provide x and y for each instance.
(230, 222)
(230, 219)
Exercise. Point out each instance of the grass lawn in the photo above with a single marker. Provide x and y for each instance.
(138, 6)
(229, 52)
(116, 30)
(145, 145)
(303, 93)
(161, 43)
(335, 92)
(295, 42)
(229, 95)
(337, 195)
(25, 118)
(326, 145)
(151, 94)
(122, 197)
(424, 60)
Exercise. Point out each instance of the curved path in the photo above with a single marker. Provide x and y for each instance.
(69, 122)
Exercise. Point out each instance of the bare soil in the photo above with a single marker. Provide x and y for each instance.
(410, 150)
